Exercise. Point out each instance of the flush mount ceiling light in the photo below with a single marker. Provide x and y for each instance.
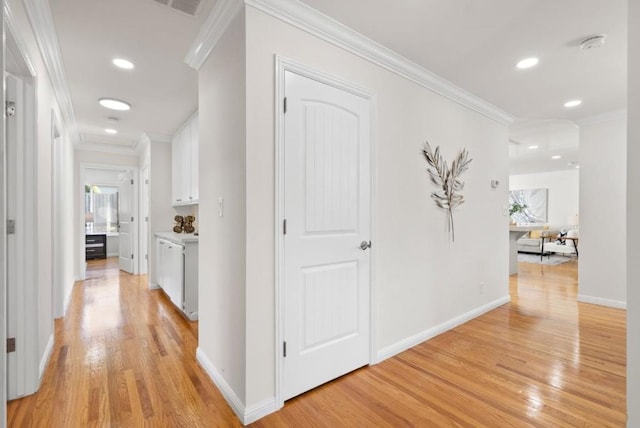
(554, 157)
(114, 104)
(527, 63)
(572, 103)
(593, 42)
(123, 63)
(533, 147)
(111, 131)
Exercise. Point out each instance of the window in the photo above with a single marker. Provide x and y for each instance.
(101, 208)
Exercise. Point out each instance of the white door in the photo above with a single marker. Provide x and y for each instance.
(327, 212)
(125, 221)
(15, 238)
(144, 232)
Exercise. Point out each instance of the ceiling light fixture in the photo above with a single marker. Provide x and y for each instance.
(572, 103)
(593, 42)
(123, 63)
(556, 157)
(111, 131)
(527, 63)
(114, 104)
(533, 147)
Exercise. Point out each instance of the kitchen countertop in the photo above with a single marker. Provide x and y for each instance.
(180, 238)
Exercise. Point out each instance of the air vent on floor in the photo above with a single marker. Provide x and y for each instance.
(190, 7)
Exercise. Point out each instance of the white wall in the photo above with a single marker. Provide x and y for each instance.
(563, 192)
(423, 280)
(633, 225)
(603, 215)
(222, 263)
(108, 177)
(68, 222)
(160, 210)
(46, 104)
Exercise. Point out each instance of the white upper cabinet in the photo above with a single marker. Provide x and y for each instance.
(195, 150)
(184, 162)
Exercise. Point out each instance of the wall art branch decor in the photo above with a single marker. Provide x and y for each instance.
(448, 179)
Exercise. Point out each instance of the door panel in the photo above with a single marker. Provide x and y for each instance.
(327, 208)
(125, 216)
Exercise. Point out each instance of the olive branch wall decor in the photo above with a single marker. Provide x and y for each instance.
(448, 179)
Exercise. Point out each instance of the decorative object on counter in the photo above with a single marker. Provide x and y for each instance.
(184, 224)
(448, 179)
(179, 224)
(187, 226)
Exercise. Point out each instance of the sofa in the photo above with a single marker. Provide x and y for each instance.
(531, 242)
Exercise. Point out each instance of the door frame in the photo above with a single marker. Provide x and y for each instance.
(84, 166)
(29, 367)
(283, 65)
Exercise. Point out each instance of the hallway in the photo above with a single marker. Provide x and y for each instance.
(125, 357)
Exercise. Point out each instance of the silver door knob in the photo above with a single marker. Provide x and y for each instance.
(364, 245)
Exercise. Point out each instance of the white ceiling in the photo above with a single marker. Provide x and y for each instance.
(474, 44)
(162, 89)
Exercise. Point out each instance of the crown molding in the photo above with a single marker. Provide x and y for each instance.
(108, 148)
(317, 24)
(9, 19)
(41, 19)
(211, 31)
(158, 138)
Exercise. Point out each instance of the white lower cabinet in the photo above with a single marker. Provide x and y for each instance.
(177, 273)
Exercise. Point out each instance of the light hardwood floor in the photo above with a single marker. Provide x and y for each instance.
(125, 357)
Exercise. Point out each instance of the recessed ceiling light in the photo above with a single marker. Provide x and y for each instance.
(533, 147)
(123, 63)
(556, 157)
(114, 104)
(527, 63)
(577, 166)
(572, 103)
(111, 131)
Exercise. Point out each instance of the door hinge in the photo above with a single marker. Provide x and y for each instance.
(11, 344)
(284, 226)
(11, 227)
(9, 108)
(131, 218)
(284, 349)
(146, 181)
(132, 181)
(131, 256)
(146, 219)
(146, 256)
(285, 104)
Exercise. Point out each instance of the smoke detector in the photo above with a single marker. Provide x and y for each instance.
(190, 7)
(592, 42)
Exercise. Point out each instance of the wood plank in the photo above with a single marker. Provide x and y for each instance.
(124, 356)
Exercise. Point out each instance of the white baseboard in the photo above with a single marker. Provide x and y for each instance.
(246, 415)
(416, 339)
(259, 410)
(45, 358)
(602, 302)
